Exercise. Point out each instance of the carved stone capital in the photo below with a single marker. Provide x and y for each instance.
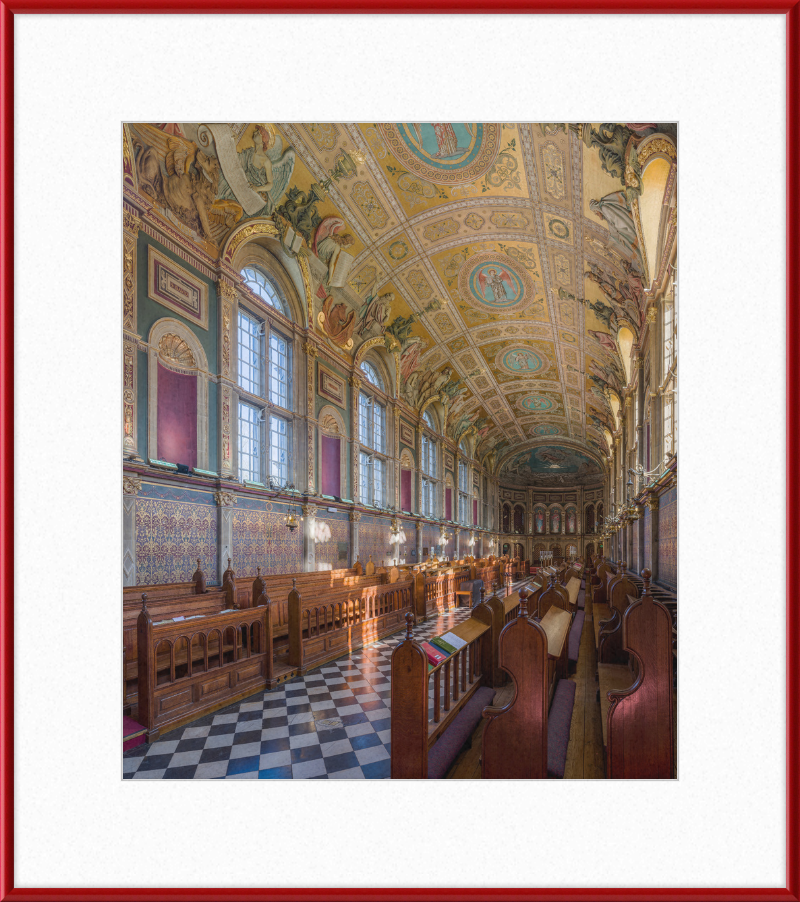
(355, 516)
(309, 349)
(419, 525)
(652, 313)
(131, 485)
(226, 290)
(130, 221)
(309, 510)
(354, 380)
(652, 502)
(638, 362)
(225, 499)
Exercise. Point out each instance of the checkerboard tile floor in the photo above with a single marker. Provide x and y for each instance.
(331, 724)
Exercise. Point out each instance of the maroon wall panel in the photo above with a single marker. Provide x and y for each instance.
(405, 490)
(331, 460)
(177, 417)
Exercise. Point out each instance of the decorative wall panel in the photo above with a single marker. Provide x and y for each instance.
(648, 538)
(171, 535)
(374, 534)
(333, 540)
(668, 539)
(261, 539)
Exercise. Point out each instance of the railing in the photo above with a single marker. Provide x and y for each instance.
(195, 665)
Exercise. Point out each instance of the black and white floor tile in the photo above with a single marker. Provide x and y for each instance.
(331, 724)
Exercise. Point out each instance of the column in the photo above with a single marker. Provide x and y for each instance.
(130, 489)
(225, 502)
(396, 410)
(130, 363)
(309, 547)
(228, 303)
(457, 553)
(311, 421)
(419, 541)
(355, 516)
(355, 385)
(419, 469)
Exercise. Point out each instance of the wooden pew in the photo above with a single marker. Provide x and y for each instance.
(516, 740)
(321, 629)
(198, 665)
(607, 619)
(553, 594)
(435, 710)
(637, 702)
(496, 612)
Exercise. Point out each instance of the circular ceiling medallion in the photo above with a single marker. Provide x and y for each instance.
(545, 429)
(521, 361)
(493, 281)
(448, 153)
(536, 402)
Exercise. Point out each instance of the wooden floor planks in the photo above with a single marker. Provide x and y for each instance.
(585, 750)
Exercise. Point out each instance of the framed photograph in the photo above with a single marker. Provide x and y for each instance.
(727, 826)
(331, 385)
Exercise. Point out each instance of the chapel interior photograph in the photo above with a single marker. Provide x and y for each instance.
(399, 450)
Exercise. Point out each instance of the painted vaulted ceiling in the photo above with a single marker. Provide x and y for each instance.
(506, 266)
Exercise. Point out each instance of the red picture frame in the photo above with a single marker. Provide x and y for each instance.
(8, 889)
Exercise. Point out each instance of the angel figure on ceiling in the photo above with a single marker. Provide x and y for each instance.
(495, 286)
(267, 167)
(375, 312)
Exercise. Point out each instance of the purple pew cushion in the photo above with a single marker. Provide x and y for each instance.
(559, 722)
(449, 744)
(575, 636)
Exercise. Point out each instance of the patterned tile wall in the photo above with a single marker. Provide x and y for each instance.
(173, 528)
(261, 539)
(333, 531)
(374, 535)
(668, 539)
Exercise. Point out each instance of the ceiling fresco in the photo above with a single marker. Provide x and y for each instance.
(505, 266)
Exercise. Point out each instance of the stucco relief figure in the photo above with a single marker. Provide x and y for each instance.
(330, 240)
(613, 209)
(179, 189)
(266, 166)
(338, 322)
(374, 315)
(409, 358)
(605, 340)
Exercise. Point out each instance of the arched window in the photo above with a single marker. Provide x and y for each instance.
(463, 493)
(430, 472)
(428, 418)
(372, 463)
(257, 281)
(265, 396)
(371, 374)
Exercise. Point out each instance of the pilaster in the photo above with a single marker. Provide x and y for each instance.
(130, 489)
(225, 504)
(355, 517)
(309, 530)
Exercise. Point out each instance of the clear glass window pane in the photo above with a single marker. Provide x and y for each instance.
(250, 354)
(258, 283)
(249, 443)
(279, 449)
(378, 469)
(363, 477)
(364, 404)
(278, 370)
(371, 375)
(378, 438)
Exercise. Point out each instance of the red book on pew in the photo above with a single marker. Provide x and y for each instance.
(435, 655)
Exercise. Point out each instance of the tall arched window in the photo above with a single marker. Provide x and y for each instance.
(264, 377)
(429, 466)
(373, 467)
(463, 493)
